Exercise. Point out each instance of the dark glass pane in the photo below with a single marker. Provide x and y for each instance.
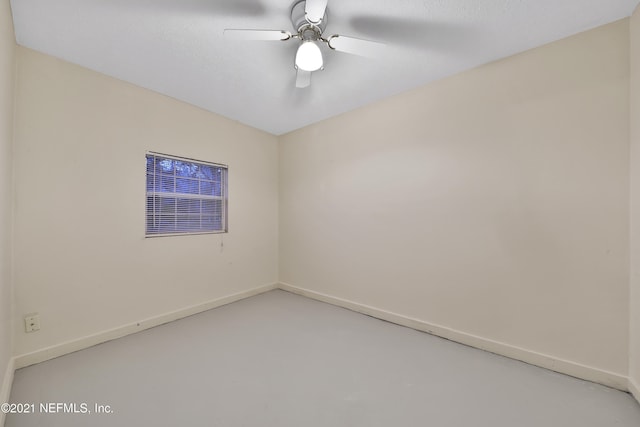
(186, 169)
(150, 179)
(205, 172)
(150, 164)
(187, 186)
(164, 166)
(206, 187)
(217, 188)
(165, 183)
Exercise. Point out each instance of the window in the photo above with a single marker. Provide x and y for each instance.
(185, 196)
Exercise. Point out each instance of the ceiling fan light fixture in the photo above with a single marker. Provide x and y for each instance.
(309, 56)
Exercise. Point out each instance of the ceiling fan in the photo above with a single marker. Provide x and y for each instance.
(309, 19)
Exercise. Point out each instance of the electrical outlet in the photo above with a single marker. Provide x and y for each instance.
(32, 322)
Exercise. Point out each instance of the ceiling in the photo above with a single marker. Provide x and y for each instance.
(176, 47)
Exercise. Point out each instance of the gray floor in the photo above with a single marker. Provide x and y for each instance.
(280, 360)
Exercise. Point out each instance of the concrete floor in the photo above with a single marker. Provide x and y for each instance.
(281, 360)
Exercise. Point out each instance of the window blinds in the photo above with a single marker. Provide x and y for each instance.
(185, 196)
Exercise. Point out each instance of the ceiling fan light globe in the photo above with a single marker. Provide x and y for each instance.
(309, 57)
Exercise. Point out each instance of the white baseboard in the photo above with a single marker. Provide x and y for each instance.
(634, 389)
(57, 350)
(7, 381)
(573, 369)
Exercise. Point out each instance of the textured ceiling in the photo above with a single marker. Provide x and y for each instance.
(175, 47)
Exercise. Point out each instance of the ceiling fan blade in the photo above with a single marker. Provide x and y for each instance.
(356, 46)
(419, 32)
(314, 10)
(303, 78)
(266, 35)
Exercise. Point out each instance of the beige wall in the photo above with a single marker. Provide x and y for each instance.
(81, 259)
(7, 67)
(634, 368)
(494, 203)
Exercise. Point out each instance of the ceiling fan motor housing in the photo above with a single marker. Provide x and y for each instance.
(300, 22)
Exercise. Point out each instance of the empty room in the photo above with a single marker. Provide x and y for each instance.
(320, 213)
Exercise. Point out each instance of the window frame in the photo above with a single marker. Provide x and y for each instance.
(224, 197)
